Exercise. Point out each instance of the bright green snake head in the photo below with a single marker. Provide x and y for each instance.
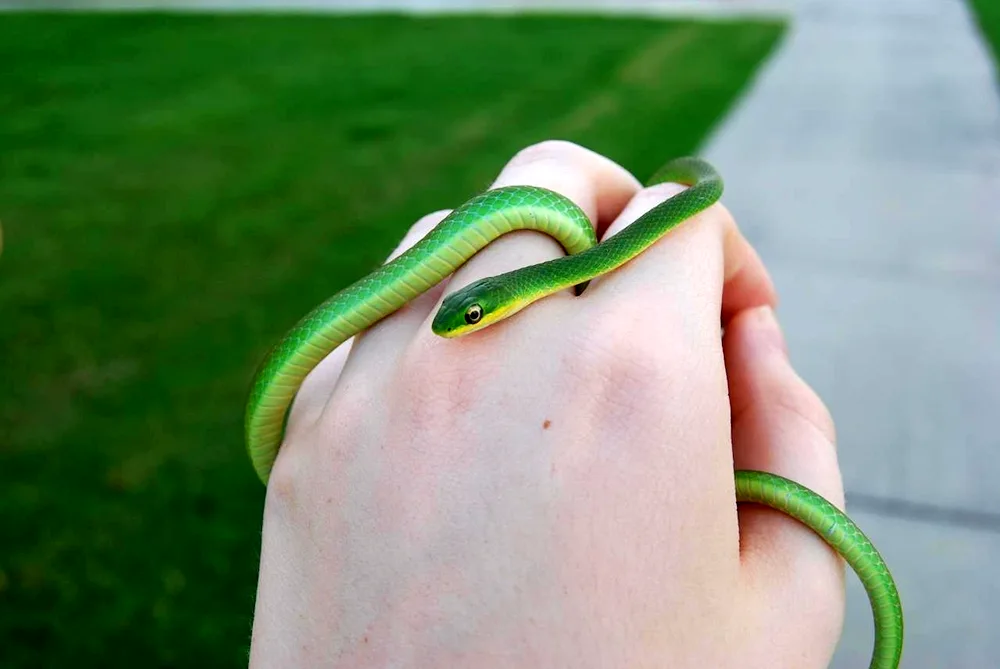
(474, 307)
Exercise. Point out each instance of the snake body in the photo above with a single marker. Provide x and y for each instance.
(461, 235)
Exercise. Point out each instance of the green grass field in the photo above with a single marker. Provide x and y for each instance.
(176, 192)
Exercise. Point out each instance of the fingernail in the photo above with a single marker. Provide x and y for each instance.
(769, 329)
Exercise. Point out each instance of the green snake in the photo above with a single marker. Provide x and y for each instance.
(461, 235)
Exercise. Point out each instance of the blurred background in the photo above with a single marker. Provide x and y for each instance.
(178, 187)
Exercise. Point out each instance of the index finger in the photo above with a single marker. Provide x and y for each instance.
(705, 264)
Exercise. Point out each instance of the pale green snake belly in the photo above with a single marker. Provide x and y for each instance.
(460, 236)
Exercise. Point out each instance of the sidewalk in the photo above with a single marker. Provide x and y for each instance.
(865, 167)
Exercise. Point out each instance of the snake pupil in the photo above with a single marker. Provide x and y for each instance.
(473, 314)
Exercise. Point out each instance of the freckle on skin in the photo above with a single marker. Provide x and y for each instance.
(546, 424)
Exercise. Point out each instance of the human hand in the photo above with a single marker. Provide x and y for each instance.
(557, 489)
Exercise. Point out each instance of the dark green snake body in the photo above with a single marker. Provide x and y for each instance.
(460, 236)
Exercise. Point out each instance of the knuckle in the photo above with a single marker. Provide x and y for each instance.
(558, 150)
(284, 482)
(716, 215)
(653, 195)
(627, 365)
(799, 401)
(418, 231)
(824, 418)
(427, 222)
(644, 201)
(299, 454)
(345, 411)
(721, 213)
(315, 452)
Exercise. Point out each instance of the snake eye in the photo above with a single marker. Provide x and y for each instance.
(473, 314)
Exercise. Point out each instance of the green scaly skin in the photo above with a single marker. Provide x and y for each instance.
(844, 536)
(460, 236)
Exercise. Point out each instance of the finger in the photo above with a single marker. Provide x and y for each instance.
(703, 266)
(670, 301)
(376, 347)
(781, 426)
(596, 184)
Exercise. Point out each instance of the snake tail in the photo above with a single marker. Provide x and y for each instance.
(845, 537)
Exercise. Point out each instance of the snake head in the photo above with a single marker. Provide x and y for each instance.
(474, 307)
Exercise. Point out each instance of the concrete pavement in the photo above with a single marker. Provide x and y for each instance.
(864, 165)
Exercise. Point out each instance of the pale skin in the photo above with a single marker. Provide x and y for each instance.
(557, 489)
